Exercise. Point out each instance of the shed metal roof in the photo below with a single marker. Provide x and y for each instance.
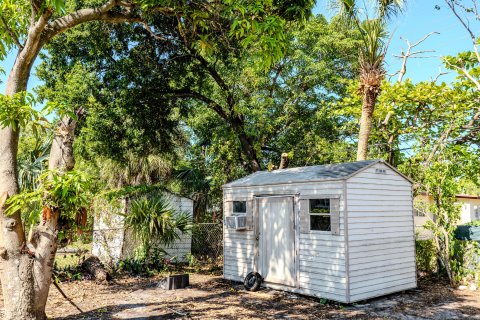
(302, 174)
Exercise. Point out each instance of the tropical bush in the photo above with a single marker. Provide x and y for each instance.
(155, 224)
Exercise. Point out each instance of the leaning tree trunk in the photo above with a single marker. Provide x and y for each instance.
(369, 97)
(16, 258)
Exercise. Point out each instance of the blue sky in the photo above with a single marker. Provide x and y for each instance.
(419, 19)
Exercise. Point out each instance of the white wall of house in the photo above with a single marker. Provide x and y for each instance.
(112, 242)
(469, 211)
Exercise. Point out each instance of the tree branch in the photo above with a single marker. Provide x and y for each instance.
(451, 4)
(101, 13)
(193, 94)
(217, 77)
(466, 73)
(11, 33)
(409, 54)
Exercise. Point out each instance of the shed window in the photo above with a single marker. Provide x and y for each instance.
(320, 214)
(240, 207)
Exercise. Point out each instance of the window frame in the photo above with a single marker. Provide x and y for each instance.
(235, 213)
(329, 215)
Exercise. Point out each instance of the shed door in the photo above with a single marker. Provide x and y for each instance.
(277, 240)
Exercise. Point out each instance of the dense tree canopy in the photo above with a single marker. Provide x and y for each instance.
(225, 104)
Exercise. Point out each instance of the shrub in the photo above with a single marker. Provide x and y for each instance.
(155, 223)
(426, 255)
(466, 261)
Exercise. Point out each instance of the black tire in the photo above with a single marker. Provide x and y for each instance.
(253, 281)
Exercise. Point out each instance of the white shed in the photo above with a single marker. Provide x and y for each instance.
(112, 242)
(343, 232)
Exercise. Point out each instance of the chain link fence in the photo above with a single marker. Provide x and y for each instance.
(207, 241)
(204, 242)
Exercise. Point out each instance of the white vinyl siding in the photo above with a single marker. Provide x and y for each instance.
(380, 234)
(373, 257)
(321, 273)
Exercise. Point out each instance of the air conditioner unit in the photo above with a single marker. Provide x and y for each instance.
(236, 222)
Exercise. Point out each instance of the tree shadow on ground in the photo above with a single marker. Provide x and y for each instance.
(217, 298)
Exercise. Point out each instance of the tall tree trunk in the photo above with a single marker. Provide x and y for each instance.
(23, 264)
(26, 266)
(16, 262)
(45, 235)
(368, 106)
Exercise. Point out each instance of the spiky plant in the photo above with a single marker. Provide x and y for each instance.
(32, 164)
(371, 55)
(152, 218)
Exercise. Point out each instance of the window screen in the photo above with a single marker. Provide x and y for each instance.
(320, 214)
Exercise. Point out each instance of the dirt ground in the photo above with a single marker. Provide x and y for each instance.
(211, 297)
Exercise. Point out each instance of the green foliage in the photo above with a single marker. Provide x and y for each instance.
(154, 218)
(465, 261)
(68, 92)
(141, 110)
(145, 262)
(66, 191)
(426, 256)
(441, 180)
(15, 19)
(257, 25)
(18, 111)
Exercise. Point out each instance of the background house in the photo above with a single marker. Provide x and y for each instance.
(112, 242)
(470, 211)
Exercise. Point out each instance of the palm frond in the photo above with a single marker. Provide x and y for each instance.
(154, 219)
(346, 8)
(372, 54)
(135, 170)
(31, 166)
(388, 9)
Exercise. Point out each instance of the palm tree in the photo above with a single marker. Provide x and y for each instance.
(135, 170)
(371, 56)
